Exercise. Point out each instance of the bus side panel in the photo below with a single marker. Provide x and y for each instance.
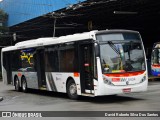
(57, 81)
(31, 78)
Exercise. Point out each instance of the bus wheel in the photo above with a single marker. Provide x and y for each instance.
(17, 86)
(24, 84)
(72, 90)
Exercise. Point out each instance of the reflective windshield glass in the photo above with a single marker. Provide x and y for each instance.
(124, 55)
(118, 36)
(156, 57)
(156, 54)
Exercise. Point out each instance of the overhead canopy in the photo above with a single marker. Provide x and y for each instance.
(140, 15)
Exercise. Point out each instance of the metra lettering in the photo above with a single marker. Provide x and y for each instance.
(127, 79)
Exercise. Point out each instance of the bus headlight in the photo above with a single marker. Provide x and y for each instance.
(143, 79)
(106, 81)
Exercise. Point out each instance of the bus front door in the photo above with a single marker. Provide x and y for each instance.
(86, 68)
(41, 69)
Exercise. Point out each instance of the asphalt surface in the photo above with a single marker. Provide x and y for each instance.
(36, 100)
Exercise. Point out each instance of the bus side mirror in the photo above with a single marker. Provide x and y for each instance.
(97, 49)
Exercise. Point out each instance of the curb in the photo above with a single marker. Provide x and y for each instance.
(1, 98)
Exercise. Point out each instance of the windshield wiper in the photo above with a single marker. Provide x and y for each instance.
(114, 47)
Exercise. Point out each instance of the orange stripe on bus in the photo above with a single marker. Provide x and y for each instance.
(127, 74)
(76, 74)
(156, 66)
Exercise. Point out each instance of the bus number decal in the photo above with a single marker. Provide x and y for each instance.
(115, 79)
(122, 79)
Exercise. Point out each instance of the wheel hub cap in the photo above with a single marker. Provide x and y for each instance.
(73, 89)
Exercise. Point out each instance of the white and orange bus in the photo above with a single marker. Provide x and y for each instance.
(155, 60)
(95, 63)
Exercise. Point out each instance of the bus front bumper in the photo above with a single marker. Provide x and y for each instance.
(112, 90)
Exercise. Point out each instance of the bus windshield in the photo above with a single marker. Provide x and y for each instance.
(156, 55)
(121, 55)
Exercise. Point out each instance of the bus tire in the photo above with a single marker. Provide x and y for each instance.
(72, 90)
(24, 84)
(17, 85)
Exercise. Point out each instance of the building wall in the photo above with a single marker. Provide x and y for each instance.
(22, 10)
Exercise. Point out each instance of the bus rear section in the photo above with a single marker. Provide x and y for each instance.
(6, 67)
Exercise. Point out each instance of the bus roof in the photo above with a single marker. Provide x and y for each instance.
(58, 40)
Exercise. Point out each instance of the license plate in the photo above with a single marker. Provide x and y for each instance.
(127, 90)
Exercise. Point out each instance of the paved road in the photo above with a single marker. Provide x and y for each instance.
(48, 101)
